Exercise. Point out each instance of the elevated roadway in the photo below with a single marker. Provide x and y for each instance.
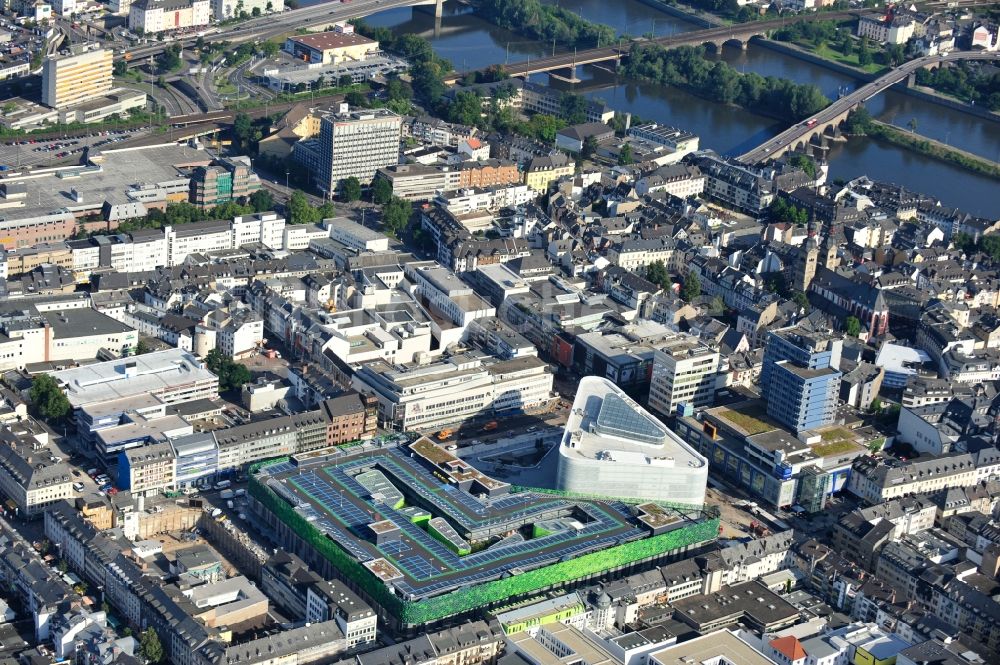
(833, 116)
(273, 25)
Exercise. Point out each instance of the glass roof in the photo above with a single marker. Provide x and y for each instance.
(620, 419)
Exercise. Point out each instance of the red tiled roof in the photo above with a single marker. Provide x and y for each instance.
(789, 647)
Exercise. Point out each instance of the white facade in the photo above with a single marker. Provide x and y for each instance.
(684, 372)
(223, 10)
(152, 16)
(266, 227)
(419, 396)
(64, 7)
(613, 447)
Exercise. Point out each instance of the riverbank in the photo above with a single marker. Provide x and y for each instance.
(931, 148)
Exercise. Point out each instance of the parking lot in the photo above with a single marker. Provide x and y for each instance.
(34, 152)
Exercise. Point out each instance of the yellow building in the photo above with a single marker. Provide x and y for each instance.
(79, 77)
(543, 171)
(301, 122)
(331, 48)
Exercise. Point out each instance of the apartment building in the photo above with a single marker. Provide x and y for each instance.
(32, 473)
(684, 375)
(78, 77)
(332, 600)
(152, 16)
(148, 470)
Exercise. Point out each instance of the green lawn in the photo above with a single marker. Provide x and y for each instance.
(835, 441)
(824, 51)
(751, 419)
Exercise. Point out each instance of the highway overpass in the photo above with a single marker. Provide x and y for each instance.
(832, 118)
(273, 25)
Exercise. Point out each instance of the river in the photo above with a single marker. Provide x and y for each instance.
(470, 42)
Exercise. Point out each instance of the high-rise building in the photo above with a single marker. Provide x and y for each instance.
(684, 374)
(84, 74)
(800, 377)
(355, 143)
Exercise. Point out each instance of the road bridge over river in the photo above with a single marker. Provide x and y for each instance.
(832, 118)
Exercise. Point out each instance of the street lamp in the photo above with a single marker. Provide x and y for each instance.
(286, 181)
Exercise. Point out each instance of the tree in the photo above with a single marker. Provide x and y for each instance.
(657, 273)
(120, 68)
(396, 90)
(299, 209)
(242, 129)
(345, 81)
(589, 147)
(852, 326)
(801, 300)
(356, 99)
(381, 191)
(964, 242)
(255, 12)
(894, 54)
(858, 121)
(231, 374)
(804, 162)
(912, 124)
(691, 288)
(625, 155)
(351, 189)
(990, 244)
(396, 215)
(142, 348)
(864, 55)
(150, 647)
(573, 108)
(48, 399)
(262, 201)
(466, 109)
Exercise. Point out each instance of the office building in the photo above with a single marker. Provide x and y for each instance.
(78, 77)
(106, 395)
(351, 143)
(684, 375)
(226, 180)
(800, 377)
(424, 395)
(612, 444)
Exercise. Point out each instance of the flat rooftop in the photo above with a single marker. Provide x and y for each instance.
(131, 377)
(606, 424)
(117, 172)
(323, 41)
(708, 648)
(340, 494)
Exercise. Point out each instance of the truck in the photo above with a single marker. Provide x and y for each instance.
(226, 494)
(223, 484)
(490, 426)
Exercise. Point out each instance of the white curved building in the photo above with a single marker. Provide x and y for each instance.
(613, 447)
